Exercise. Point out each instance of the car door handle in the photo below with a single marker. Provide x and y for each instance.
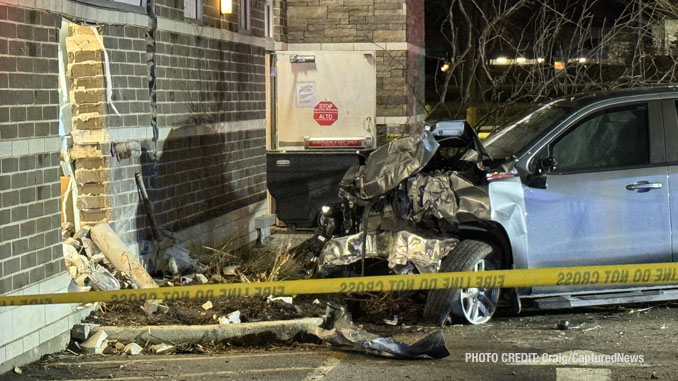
(643, 186)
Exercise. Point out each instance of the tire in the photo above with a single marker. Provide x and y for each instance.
(459, 303)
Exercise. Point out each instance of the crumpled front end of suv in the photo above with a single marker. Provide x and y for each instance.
(404, 204)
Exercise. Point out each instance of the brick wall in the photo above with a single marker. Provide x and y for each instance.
(205, 172)
(201, 177)
(327, 21)
(31, 257)
(391, 83)
(29, 182)
(202, 80)
(280, 29)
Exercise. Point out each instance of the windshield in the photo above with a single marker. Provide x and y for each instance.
(512, 138)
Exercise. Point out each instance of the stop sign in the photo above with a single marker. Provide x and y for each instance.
(325, 113)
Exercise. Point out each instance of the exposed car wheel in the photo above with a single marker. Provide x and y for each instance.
(470, 305)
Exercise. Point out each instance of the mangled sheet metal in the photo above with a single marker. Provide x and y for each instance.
(474, 201)
(433, 345)
(387, 166)
(404, 251)
(448, 196)
(341, 251)
(425, 254)
(345, 335)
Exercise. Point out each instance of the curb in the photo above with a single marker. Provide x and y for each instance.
(280, 330)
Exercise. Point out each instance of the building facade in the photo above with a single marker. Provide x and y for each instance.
(94, 92)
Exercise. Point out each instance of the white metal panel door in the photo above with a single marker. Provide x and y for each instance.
(333, 97)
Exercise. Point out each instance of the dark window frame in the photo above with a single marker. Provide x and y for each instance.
(114, 5)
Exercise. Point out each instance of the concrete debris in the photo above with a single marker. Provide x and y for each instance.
(273, 331)
(153, 306)
(201, 279)
(230, 270)
(82, 331)
(132, 349)
(67, 230)
(77, 245)
(207, 306)
(162, 348)
(119, 346)
(284, 299)
(178, 260)
(316, 301)
(393, 321)
(232, 318)
(117, 253)
(187, 279)
(96, 343)
(17, 370)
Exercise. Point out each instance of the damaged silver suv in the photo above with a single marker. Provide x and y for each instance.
(581, 180)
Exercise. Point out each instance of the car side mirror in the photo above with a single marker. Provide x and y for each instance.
(545, 164)
(538, 178)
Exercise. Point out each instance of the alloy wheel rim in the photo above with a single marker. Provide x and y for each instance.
(479, 304)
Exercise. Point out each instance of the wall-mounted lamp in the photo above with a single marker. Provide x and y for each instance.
(226, 7)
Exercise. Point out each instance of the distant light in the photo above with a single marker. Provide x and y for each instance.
(559, 65)
(226, 7)
(582, 60)
(540, 60)
(521, 60)
(501, 61)
(445, 67)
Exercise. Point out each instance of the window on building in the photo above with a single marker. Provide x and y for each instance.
(138, 3)
(245, 17)
(268, 18)
(136, 6)
(192, 9)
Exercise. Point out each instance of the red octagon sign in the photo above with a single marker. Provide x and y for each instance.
(325, 113)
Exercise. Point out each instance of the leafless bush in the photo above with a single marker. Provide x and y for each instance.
(564, 46)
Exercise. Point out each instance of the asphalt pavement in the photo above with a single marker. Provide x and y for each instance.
(617, 343)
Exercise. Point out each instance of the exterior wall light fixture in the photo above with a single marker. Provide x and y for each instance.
(226, 7)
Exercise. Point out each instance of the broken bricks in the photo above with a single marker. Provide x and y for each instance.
(96, 343)
(162, 348)
(132, 349)
(153, 306)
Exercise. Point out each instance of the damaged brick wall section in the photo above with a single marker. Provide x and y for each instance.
(91, 142)
(30, 249)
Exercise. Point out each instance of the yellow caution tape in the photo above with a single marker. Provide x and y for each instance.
(647, 274)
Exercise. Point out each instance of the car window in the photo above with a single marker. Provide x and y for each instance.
(512, 138)
(615, 138)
